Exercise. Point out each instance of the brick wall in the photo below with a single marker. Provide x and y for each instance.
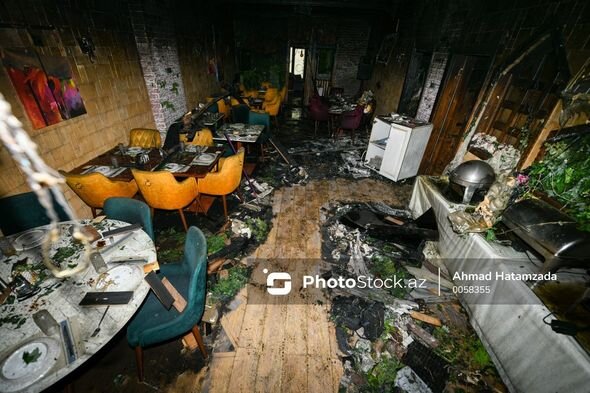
(436, 72)
(112, 87)
(156, 44)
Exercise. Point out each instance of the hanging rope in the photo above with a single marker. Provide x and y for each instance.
(45, 182)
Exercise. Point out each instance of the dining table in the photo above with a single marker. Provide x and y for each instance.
(186, 161)
(46, 333)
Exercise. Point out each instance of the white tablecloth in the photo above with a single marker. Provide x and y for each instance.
(529, 356)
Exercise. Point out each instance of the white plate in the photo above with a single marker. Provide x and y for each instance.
(237, 126)
(134, 150)
(29, 239)
(120, 278)
(15, 374)
(204, 159)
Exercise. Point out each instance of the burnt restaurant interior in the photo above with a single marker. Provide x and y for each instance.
(353, 196)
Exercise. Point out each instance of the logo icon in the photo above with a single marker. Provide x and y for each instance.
(276, 276)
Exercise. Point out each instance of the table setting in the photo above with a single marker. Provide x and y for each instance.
(47, 329)
(240, 132)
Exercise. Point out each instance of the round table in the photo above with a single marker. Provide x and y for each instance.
(61, 298)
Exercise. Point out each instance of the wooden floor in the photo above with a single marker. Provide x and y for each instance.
(290, 347)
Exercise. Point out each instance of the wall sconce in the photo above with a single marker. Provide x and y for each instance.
(87, 47)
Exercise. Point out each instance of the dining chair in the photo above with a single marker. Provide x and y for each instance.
(221, 106)
(153, 324)
(318, 112)
(225, 180)
(162, 191)
(95, 188)
(131, 211)
(240, 113)
(272, 104)
(259, 119)
(23, 211)
(145, 138)
(203, 137)
(350, 121)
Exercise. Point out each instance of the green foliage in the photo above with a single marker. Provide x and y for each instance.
(31, 357)
(462, 350)
(216, 243)
(174, 88)
(226, 288)
(170, 245)
(564, 174)
(167, 105)
(251, 79)
(383, 266)
(258, 227)
(382, 377)
(490, 235)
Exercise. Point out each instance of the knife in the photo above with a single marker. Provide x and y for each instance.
(129, 260)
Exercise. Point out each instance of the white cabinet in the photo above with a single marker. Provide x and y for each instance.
(396, 146)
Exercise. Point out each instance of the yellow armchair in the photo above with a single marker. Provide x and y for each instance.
(271, 94)
(222, 107)
(161, 191)
(95, 188)
(283, 94)
(203, 137)
(265, 85)
(226, 180)
(145, 137)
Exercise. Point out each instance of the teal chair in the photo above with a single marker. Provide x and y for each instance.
(239, 113)
(23, 211)
(264, 120)
(259, 118)
(213, 108)
(131, 211)
(153, 324)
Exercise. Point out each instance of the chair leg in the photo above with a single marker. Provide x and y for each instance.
(315, 130)
(139, 362)
(183, 220)
(93, 210)
(224, 206)
(199, 339)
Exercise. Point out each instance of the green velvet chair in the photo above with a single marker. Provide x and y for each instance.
(131, 211)
(259, 118)
(153, 324)
(23, 211)
(239, 113)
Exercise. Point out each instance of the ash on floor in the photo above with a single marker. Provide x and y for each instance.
(403, 338)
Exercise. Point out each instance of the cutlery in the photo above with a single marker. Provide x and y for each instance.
(97, 330)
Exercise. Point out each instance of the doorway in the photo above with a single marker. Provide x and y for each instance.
(297, 58)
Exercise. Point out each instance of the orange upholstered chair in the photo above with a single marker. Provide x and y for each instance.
(283, 94)
(145, 137)
(95, 188)
(203, 137)
(161, 191)
(272, 104)
(265, 85)
(222, 107)
(226, 180)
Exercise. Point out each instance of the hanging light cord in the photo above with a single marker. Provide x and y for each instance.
(44, 181)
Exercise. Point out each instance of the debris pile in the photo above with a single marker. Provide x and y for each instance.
(406, 338)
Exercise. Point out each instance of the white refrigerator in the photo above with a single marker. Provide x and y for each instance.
(396, 146)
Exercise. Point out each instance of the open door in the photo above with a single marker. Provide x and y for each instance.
(463, 80)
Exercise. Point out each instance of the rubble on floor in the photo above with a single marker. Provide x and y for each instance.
(404, 338)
